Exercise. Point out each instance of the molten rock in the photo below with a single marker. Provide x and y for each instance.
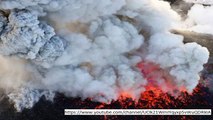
(107, 58)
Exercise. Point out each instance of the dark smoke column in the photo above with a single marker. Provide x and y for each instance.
(23, 35)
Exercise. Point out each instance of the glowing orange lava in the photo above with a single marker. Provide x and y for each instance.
(155, 95)
(125, 95)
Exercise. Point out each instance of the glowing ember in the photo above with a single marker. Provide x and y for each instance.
(201, 98)
(125, 95)
(152, 98)
(159, 79)
(156, 97)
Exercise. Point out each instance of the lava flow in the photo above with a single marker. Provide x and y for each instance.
(153, 98)
(159, 97)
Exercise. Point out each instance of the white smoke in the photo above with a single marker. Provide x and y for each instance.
(200, 19)
(206, 2)
(14, 73)
(183, 61)
(27, 97)
(151, 15)
(93, 51)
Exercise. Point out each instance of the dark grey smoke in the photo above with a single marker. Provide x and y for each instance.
(24, 35)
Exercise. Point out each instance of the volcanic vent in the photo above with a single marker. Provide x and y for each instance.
(118, 53)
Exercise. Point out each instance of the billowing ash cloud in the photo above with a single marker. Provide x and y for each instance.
(27, 97)
(23, 35)
(183, 61)
(98, 66)
(91, 49)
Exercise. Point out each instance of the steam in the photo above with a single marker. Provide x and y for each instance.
(206, 2)
(199, 19)
(183, 61)
(91, 49)
(12, 71)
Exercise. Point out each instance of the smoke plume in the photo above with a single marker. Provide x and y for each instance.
(93, 49)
